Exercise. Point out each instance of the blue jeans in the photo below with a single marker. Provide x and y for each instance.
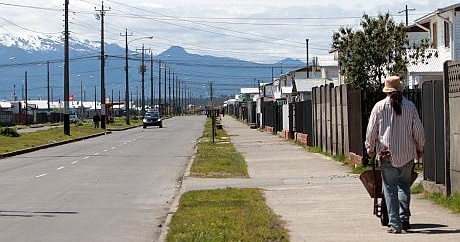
(396, 188)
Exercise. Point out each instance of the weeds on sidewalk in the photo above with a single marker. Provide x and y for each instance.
(225, 215)
(452, 202)
(219, 159)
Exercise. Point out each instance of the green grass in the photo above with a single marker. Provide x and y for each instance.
(219, 159)
(225, 215)
(416, 189)
(42, 137)
(120, 123)
(452, 202)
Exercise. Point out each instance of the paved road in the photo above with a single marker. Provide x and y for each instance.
(117, 187)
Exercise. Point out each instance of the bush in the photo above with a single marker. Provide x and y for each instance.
(10, 132)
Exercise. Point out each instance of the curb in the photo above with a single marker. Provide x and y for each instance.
(175, 203)
(32, 149)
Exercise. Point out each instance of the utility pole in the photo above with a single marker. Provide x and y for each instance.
(180, 100)
(174, 97)
(25, 81)
(111, 102)
(165, 106)
(169, 88)
(213, 118)
(81, 99)
(183, 98)
(152, 95)
(407, 14)
(142, 69)
(159, 87)
(66, 70)
(48, 85)
(306, 42)
(101, 16)
(95, 100)
(127, 109)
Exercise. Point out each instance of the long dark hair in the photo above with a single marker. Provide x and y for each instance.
(395, 101)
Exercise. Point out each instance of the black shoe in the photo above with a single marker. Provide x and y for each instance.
(406, 225)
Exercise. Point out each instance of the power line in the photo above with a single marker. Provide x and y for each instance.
(24, 28)
(31, 7)
(207, 25)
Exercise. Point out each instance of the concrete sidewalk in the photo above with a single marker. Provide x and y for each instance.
(320, 199)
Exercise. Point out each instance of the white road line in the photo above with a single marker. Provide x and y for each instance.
(60, 168)
(84, 158)
(125, 143)
(97, 154)
(41, 175)
(106, 150)
(75, 162)
(113, 148)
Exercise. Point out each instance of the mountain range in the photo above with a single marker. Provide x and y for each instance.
(19, 55)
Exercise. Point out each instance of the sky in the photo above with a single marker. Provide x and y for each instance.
(262, 31)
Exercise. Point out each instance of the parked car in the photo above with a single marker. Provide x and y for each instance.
(152, 118)
(73, 118)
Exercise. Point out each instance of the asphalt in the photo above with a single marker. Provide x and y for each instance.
(318, 198)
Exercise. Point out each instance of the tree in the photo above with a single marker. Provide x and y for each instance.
(379, 49)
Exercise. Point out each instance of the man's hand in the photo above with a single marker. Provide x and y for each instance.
(371, 154)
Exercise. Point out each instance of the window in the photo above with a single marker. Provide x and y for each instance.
(446, 34)
(435, 35)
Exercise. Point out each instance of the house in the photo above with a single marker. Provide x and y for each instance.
(439, 27)
(6, 114)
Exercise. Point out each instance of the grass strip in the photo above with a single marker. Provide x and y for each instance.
(42, 137)
(451, 202)
(219, 159)
(120, 123)
(225, 215)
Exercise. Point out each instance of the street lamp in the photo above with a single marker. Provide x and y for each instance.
(126, 72)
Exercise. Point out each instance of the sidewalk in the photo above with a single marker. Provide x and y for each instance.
(320, 199)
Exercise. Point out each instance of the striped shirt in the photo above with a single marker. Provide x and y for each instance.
(402, 134)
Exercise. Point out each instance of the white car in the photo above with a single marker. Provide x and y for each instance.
(73, 118)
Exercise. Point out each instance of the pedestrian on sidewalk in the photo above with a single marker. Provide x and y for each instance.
(395, 133)
(96, 120)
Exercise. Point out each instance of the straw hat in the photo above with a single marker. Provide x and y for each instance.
(392, 84)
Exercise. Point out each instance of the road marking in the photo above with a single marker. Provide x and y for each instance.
(75, 162)
(113, 148)
(41, 175)
(60, 168)
(106, 150)
(97, 154)
(84, 158)
(125, 143)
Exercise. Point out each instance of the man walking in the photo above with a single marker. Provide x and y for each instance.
(395, 133)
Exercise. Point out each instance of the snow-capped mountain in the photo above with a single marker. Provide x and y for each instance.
(21, 54)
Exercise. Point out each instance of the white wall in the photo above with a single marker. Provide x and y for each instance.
(456, 44)
(286, 117)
